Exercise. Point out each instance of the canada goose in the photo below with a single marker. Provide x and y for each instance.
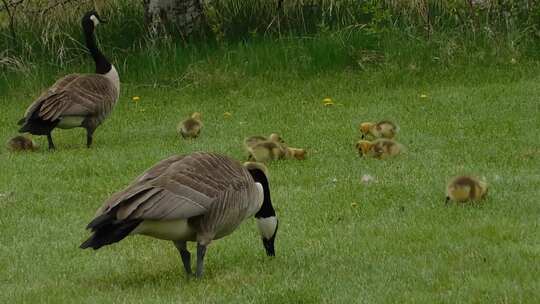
(383, 128)
(295, 153)
(464, 188)
(198, 197)
(267, 148)
(191, 127)
(21, 143)
(250, 142)
(266, 151)
(275, 137)
(381, 148)
(363, 147)
(77, 100)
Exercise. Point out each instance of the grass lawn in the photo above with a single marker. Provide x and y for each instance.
(400, 244)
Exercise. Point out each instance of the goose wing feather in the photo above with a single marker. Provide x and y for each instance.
(179, 187)
(75, 94)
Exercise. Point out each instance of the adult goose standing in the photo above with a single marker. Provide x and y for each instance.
(76, 100)
(199, 198)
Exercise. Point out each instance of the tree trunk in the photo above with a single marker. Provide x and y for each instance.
(178, 16)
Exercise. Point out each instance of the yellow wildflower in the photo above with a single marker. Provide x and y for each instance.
(135, 98)
(328, 101)
(227, 115)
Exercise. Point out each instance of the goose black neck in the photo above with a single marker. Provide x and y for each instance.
(103, 66)
(267, 210)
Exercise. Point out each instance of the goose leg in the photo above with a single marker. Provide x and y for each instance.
(89, 137)
(185, 254)
(51, 144)
(201, 251)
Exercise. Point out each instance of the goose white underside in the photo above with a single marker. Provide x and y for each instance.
(166, 230)
(69, 122)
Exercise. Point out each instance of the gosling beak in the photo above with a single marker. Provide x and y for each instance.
(363, 136)
(447, 200)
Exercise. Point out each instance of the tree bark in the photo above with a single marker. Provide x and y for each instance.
(179, 16)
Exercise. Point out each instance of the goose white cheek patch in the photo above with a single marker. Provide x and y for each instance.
(267, 226)
(94, 19)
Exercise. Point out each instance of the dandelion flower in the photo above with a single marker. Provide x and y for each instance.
(354, 205)
(227, 115)
(135, 98)
(423, 96)
(328, 101)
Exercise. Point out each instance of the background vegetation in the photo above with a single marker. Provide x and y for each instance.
(357, 33)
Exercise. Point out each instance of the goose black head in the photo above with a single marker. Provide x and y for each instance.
(266, 216)
(90, 20)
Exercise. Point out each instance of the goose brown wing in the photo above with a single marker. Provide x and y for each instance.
(75, 94)
(179, 187)
(57, 87)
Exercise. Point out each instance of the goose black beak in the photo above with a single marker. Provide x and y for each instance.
(269, 246)
(447, 200)
(363, 136)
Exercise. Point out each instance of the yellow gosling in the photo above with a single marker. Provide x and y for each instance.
(466, 188)
(191, 127)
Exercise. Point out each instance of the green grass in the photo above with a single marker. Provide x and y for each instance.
(400, 244)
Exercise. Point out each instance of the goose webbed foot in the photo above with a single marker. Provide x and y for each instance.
(201, 251)
(51, 143)
(185, 255)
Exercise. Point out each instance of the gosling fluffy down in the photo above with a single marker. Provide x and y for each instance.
(295, 153)
(250, 142)
(266, 151)
(21, 143)
(261, 149)
(191, 127)
(381, 129)
(466, 188)
(381, 148)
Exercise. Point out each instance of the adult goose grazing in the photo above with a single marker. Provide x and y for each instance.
(76, 100)
(199, 198)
